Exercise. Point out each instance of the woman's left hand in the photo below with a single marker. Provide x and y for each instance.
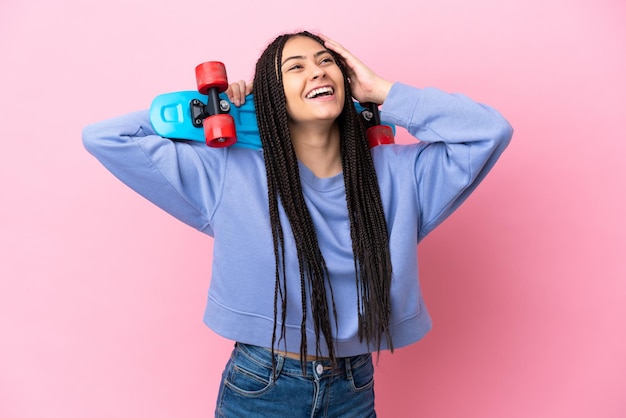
(366, 85)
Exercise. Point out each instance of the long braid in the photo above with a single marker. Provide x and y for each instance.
(368, 227)
(268, 128)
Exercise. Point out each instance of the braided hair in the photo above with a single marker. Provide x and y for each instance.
(368, 228)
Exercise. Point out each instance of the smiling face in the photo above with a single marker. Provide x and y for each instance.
(312, 81)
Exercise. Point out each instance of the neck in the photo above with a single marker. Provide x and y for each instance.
(317, 147)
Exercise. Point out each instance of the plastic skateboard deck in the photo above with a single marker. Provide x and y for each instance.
(171, 117)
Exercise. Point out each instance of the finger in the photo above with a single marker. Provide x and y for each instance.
(242, 92)
(236, 92)
(249, 88)
(231, 94)
(338, 48)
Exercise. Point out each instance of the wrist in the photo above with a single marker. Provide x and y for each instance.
(382, 91)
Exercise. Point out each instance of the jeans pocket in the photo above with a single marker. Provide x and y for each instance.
(248, 378)
(362, 373)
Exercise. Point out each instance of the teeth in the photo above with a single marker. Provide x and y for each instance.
(319, 91)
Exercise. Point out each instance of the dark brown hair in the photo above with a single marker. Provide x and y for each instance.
(368, 228)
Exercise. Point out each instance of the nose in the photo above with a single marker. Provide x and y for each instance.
(317, 72)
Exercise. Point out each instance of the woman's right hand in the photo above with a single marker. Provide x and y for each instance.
(238, 91)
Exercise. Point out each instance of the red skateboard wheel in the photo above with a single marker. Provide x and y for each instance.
(379, 135)
(211, 74)
(219, 130)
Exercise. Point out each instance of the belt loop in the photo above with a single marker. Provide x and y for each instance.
(348, 366)
(278, 365)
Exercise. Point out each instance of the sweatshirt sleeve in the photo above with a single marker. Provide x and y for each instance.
(461, 140)
(182, 178)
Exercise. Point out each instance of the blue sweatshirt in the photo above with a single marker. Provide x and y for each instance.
(223, 193)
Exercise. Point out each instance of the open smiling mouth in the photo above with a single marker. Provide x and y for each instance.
(322, 91)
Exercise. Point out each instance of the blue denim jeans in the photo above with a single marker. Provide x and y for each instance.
(249, 388)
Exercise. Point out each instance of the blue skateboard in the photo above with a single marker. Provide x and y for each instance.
(178, 115)
(208, 116)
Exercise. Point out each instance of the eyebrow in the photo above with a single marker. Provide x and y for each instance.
(298, 57)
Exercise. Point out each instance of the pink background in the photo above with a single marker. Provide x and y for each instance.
(102, 294)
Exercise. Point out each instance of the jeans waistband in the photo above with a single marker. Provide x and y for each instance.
(319, 367)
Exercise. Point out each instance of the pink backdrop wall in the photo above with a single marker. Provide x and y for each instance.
(102, 294)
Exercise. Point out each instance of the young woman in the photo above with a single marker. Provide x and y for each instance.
(315, 262)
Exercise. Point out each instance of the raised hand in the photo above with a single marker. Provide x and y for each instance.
(366, 85)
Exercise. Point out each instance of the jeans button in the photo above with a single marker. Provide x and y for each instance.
(319, 368)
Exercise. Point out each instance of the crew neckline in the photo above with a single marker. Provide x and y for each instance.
(325, 184)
